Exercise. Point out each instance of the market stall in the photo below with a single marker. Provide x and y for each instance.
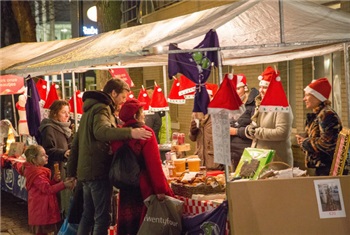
(285, 37)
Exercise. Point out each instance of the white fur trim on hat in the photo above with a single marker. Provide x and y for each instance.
(315, 93)
(264, 83)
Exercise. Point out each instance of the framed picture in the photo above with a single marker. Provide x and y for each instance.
(329, 198)
(341, 153)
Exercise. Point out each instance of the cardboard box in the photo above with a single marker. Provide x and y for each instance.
(283, 206)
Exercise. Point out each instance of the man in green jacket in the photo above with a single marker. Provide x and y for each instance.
(91, 156)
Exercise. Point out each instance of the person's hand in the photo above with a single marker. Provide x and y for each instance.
(140, 133)
(66, 154)
(300, 139)
(161, 196)
(69, 183)
(57, 177)
(194, 129)
(233, 131)
(251, 130)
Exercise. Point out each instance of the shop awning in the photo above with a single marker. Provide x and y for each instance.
(250, 32)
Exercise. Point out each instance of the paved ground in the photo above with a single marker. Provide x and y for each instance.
(14, 215)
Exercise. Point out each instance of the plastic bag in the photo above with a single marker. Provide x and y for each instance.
(125, 168)
(68, 228)
(162, 217)
(210, 222)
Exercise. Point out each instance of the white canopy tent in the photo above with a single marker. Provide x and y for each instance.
(249, 32)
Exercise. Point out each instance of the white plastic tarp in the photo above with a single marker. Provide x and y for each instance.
(248, 31)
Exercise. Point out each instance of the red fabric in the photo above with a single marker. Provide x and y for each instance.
(226, 97)
(321, 86)
(211, 88)
(186, 86)
(275, 96)
(78, 97)
(51, 97)
(41, 86)
(42, 200)
(158, 102)
(143, 97)
(174, 96)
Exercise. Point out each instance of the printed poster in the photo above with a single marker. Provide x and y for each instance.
(221, 137)
(329, 198)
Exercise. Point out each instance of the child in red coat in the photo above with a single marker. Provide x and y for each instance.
(43, 210)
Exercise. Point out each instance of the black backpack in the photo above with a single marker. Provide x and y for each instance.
(125, 168)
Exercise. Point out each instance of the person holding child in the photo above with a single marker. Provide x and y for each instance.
(43, 210)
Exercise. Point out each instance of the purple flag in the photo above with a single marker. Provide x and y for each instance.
(33, 110)
(197, 67)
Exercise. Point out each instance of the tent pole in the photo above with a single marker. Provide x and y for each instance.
(14, 112)
(166, 95)
(347, 76)
(75, 103)
(226, 166)
(280, 7)
(63, 87)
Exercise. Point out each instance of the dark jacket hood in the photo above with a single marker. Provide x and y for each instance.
(90, 98)
(252, 94)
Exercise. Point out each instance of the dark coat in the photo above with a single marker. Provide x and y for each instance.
(91, 157)
(54, 141)
(154, 121)
(239, 142)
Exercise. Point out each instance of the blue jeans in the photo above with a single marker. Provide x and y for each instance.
(97, 207)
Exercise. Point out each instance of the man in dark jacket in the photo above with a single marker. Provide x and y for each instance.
(91, 155)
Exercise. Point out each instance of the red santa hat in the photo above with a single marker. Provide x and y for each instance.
(144, 98)
(227, 98)
(186, 86)
(52, 96)
(78, 97)
(130, 95)
(266, 77)
(158, 101)
(211, 88)
(41, 86)
(320, 88)
(242, 81)
(174, 97)
(275, 99)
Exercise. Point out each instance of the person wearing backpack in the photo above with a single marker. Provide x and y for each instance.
(91, 156)
(131, 209)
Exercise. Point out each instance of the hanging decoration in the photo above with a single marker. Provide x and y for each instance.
(275, 99)
(158, 101)
(33, 109)
(174, 97)
(225, 102)
(79, 105)
(122, 74)
(197, 67)
(144, 98)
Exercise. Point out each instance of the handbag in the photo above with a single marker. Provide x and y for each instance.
(125, 168)
(68, 228)
(162, 217)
